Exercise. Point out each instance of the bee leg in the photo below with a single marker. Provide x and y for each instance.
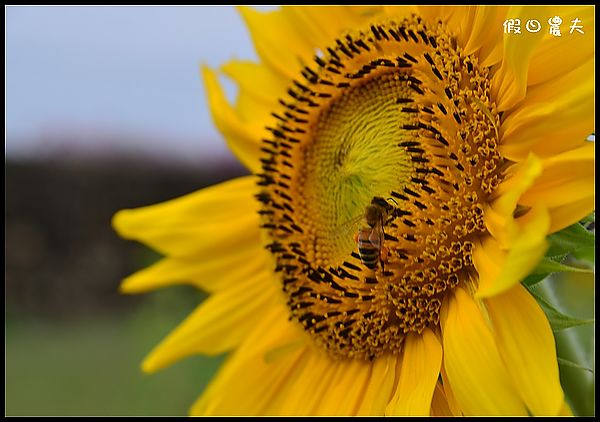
(383, 254)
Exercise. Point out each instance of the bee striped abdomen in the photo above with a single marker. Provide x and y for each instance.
(369, 254)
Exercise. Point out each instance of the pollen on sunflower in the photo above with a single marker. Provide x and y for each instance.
(418, 128)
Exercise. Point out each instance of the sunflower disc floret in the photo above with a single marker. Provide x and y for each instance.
(396, 111)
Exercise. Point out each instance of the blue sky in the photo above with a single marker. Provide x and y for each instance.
(102, 72)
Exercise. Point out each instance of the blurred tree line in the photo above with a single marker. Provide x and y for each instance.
(62, 257)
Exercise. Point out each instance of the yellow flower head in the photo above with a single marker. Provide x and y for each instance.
(408, 165)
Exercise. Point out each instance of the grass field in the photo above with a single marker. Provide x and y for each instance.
(90, 366)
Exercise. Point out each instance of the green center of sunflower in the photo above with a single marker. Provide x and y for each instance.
(355, 152)
(373, 185)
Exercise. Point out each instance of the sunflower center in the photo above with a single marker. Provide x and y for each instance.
(374, 182)
(355, 152)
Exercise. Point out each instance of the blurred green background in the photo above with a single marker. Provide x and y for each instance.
(74, 344)
(573, 294)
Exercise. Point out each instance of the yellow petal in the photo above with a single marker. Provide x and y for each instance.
(480, 40)
(218, 219)
(509, 83)
(401, 12)
(488, 258)
(475, 370)
(458, 17)
(259, 91)
(565, 410)
(568, 214)
(344, 394)
(248, 383)
(242, 139)
(572, 49)
(380, 388)
(516, 245)
(554, 117)
(321, 25)
(444, 13)
(277, 42)
(498, 215)
(526, 344)
(567, 178)
(439, 403)
(492, 54)
(499, 270)
(257, 80)
(448, 393)
(418, 377)
(466, 26)
(220, 323)
(491, 44)
(365, 13)
(210, 274)
(303, 393)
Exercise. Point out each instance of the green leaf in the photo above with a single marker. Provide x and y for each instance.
(533, 279)
(547, 266)
(589, 219)
(558, 320)
(569, 239)
(570, 364)
(586, 254)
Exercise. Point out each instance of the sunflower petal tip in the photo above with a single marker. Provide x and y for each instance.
(214, 90)
(244, 11)
(207, 73)
(121, 222)
(150, 365)
(128, 286)
(205, 67)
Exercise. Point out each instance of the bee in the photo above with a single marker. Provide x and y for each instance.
(370, 235)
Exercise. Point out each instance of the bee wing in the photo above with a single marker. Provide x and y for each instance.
(345, 228)
(376, 236)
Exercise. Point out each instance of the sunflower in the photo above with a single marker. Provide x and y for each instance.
(408, 164)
